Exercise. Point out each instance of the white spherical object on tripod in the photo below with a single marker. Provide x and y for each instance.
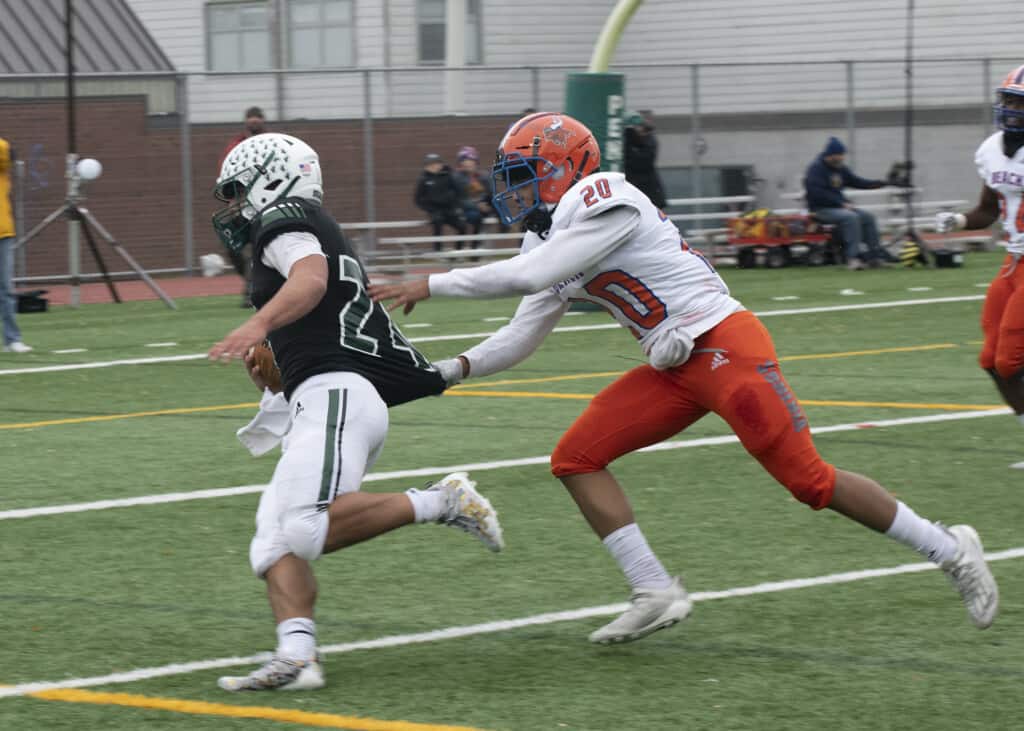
(212, 264)
(89, 169)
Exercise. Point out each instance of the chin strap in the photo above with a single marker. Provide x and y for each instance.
(538, 220)
(1012, 141)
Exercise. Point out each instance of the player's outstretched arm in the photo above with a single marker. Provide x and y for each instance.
(535, 318)
(982, 215)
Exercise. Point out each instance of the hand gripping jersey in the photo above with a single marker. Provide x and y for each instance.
(346, 331)
(653, 281)
(1004, 175)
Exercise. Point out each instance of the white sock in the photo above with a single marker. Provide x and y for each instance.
(427, 505)
(296, 639)
(929, 539)
(636, 559)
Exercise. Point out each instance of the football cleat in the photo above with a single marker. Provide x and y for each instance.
(971, 576)
(468, 510)
(649, 611)
(278, 673)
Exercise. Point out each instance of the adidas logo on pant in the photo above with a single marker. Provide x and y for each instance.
(718, 360)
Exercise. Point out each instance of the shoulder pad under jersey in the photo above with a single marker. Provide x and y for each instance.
(989, 154)
(283, 216)
(594, 194)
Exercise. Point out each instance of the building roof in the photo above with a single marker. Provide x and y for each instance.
(107, 37)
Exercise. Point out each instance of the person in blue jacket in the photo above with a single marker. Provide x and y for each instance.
(823, 184)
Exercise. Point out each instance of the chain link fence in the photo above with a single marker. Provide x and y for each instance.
(160, 137)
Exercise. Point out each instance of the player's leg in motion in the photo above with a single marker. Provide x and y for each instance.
(640, 408)
(1002, 322)
(757, 402)
(312, 506)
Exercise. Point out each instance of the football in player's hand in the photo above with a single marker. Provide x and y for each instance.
(263, 368)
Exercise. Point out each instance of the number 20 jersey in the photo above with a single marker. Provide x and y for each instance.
(346, 331)
(1004, 175)
(654, 280)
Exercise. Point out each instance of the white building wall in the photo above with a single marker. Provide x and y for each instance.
(760, 34)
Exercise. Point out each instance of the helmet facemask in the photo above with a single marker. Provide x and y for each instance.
(1009, 112)
(517, 186)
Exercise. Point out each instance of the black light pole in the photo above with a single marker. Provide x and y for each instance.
(908, 119)
(913, 247)
(69, 42)
(74, 220)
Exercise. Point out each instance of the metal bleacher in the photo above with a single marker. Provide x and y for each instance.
(396, 246)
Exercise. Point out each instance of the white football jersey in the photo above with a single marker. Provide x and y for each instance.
(651, 282)
(1004, 175)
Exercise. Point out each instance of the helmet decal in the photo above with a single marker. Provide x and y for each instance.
(557, 134)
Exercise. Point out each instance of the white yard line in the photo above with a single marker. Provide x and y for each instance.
(177, 497)
(481, 335)
(451, 633)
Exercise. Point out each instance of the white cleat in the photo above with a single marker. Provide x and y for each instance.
(1017, 466)
(972, 577)
(469, 511)
(278, 674)
(17, 347)
(650, 610)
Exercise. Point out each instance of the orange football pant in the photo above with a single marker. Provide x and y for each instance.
(733, 372)
(1002, 321)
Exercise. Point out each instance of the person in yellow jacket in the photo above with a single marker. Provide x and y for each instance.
(8, 299)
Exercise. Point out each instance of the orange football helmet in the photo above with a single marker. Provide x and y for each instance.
(547, 152)
(1010, 119)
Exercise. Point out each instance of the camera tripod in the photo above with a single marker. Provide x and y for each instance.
(81, 220)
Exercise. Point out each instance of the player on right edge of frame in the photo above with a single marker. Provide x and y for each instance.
(1000, 163)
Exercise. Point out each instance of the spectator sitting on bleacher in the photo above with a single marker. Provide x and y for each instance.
(476, 191)
(439, 196)
(823, 184)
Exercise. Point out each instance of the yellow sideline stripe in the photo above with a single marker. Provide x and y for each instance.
(606, 374)
(874, 404)
(115, 417)
(521, 394)
(284, 715)
(878, 351)
(549, 379)
(473, 390)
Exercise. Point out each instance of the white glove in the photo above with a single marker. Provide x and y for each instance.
(450, 370)
(947, 221)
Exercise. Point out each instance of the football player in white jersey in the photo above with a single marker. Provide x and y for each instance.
(1000, 163)
(342, 363)
(595, 237)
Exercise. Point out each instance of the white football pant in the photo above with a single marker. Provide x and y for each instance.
(339, 423)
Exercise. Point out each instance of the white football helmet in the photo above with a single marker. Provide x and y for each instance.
(256, 173)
